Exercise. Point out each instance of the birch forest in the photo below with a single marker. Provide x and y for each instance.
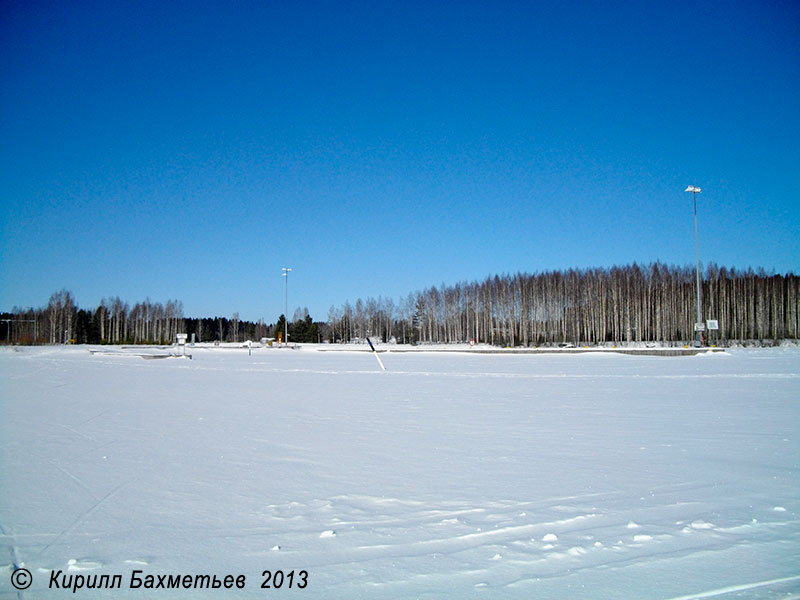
(652, 303)
(113, 322)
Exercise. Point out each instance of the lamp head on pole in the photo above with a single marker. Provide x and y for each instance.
(693, 188)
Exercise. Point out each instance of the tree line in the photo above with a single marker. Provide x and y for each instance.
(112, 322)
(115, 321)
(632, 303)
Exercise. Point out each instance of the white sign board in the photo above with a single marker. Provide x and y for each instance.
(699, 326)
(712, 324)
(181, 338)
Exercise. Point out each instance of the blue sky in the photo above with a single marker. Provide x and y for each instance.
(191, 150)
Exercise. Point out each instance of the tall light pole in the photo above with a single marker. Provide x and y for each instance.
(286, 311)
(699, 326)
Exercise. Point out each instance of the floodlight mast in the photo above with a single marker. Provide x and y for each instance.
(286, 311)
(698, 340)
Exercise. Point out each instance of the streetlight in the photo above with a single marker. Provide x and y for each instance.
(286, 312)
(699, 326)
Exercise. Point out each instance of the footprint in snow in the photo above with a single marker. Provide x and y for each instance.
(82, 565)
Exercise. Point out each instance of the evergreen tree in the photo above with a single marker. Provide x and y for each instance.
(280, 328)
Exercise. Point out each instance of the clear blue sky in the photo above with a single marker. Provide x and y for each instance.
(191, 150)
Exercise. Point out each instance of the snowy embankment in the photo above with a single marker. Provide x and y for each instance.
(447, 476)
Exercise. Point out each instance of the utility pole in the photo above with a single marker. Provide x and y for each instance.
(699, 326)
(286, 309)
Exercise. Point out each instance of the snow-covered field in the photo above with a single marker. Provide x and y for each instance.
(447, 476)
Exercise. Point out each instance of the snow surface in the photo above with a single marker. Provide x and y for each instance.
(446, 476)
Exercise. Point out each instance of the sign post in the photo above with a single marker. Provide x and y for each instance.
(712, 325)
(182, 342)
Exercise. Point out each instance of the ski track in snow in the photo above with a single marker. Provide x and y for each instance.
(267, 463)
(741, 588)
(532, 540)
